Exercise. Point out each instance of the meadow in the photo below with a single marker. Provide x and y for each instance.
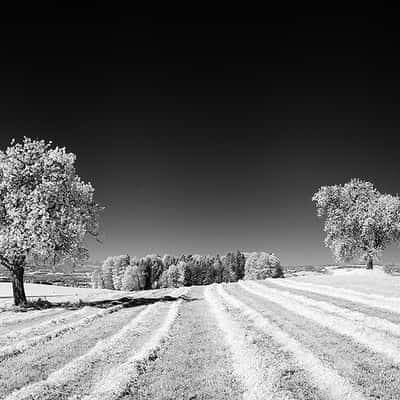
(334, 335)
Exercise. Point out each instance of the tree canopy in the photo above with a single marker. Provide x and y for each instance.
(359, 220)
(46, 209)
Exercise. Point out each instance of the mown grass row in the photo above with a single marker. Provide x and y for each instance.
(326, 379)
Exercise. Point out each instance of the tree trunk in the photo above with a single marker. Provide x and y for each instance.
(370, 263)
(17, 279)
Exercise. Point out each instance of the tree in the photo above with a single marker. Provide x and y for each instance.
(240, 265)
(163, 280)
(130, 280)
(46, 210)
(263, 265)
(168, 260)
(156, 269)
(97, 279)
(359, 220)
(230, 263)
(107, 273)
(187, 273)
(226, 268)
(134, 260)
(144, 275)
(118, 270)
(219, 269)
(176, 274)
(209, 276)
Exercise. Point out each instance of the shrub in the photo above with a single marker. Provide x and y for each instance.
(262, 265)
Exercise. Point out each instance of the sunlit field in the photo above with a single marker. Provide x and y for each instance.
(320, 336)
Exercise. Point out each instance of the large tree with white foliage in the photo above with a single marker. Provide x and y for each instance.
(46, 210)
(359, 220)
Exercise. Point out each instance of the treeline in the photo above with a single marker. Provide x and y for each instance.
(153, 271)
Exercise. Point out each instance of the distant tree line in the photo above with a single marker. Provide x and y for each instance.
(153, 271)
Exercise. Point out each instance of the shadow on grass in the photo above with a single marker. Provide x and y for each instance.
(126, 302)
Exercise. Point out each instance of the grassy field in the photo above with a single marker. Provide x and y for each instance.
(317, 336)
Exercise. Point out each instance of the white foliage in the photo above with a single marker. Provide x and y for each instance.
(130, 280)
(118, 269)
(359, 221)
(107, 273)
(176, 274)
(261, 265)
(97, 280)
(45, 208)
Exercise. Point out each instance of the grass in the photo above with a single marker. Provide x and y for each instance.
(26, 344)
(80, 373)
(37, 364)
(376, 340)
(391, 304)
(324, 336)
(371, 373)
(359, 317)
(194, 363)
(117, 381)
(330, 383)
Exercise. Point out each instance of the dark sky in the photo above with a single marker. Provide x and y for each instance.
(208, 138)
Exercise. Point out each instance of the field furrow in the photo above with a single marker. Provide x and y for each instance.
(195, 362)
(41, 361)
(366, 320)
(9, 318)
(372, 300)
(258, 382)
(273, 339)
(369, 372)
(80, 374)
(377, 341)
(343, 303)
(117, 381)
(325, 378)
(23, 345)
(38, 328)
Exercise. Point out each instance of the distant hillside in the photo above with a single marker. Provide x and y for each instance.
(63, 275)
